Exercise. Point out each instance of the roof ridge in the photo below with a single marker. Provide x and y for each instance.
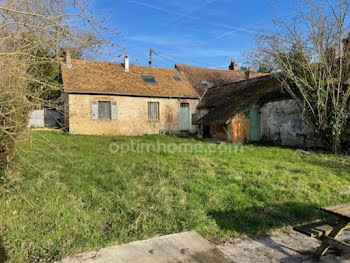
(240, 81)
(120, 63)
(223, 70)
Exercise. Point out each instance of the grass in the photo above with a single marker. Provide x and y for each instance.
(65, 194)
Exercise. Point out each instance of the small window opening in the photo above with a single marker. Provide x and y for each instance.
(177, 78)
(205, 84)
(149, 79)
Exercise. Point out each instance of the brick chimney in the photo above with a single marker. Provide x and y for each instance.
(233, 65)
(68, 59)
(126, 62)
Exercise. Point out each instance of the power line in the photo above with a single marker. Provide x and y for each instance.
(165, 56)
(197, 62)
(170, 60)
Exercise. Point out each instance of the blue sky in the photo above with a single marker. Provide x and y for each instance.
(206, 33)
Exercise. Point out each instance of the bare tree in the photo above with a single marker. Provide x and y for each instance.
(33, 34)
(311, 55)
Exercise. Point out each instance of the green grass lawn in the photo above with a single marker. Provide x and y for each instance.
(65, 194)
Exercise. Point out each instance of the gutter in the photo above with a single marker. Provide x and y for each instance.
(130, 95)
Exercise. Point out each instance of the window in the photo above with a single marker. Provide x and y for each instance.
(177, 78)
(205, 84)
(153, 111)
(104, 110)
(184, 105)
(149, 79)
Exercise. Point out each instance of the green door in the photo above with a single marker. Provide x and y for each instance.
(185, 116)
(255, 124)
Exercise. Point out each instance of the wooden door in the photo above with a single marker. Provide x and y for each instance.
(255, 124)
(185, 116)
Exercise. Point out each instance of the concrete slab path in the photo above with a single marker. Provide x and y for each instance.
(187, 247)
(285, 246)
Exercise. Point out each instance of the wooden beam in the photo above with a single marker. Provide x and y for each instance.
(342, 224)
(335, 243)
(317, 229)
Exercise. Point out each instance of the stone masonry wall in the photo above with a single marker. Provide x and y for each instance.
(281, 123)
(44, 118)
(132, 115)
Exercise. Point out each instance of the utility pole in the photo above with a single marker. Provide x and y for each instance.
(150, 57)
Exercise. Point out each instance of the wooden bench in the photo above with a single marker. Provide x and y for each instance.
(328, 231)
(316, 230)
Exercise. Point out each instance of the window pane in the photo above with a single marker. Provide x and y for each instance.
(184, 105)
(177, 78)
(153, 110)
(205, 84)
(104, 110)
(149, 79)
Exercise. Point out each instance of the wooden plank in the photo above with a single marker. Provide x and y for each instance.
(343, 223)
(335, 243)
(238, 129)
(317, 229)
(342, 210)
(308, 232)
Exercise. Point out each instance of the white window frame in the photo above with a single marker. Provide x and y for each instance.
(153, 115)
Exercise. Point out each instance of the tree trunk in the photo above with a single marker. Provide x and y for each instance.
(335, 143)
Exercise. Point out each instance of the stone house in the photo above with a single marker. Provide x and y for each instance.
(232, 112)
(102, 98)
(255, 110)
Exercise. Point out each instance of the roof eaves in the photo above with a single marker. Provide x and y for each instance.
(130, 95)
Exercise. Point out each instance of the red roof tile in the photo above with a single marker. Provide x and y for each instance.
(214, 77)
(105, 77)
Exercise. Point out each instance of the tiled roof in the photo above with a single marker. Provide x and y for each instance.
(213, 76)
(105, 77)
(229, 100)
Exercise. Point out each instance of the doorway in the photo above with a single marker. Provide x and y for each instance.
(255, 124)
(185, 116)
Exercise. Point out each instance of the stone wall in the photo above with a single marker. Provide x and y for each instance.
(132, 115)
(282, 124)
(44, 118)
(36, 119)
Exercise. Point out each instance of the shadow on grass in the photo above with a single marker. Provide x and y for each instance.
(333, 164)
(258, 220)
(3, 255)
